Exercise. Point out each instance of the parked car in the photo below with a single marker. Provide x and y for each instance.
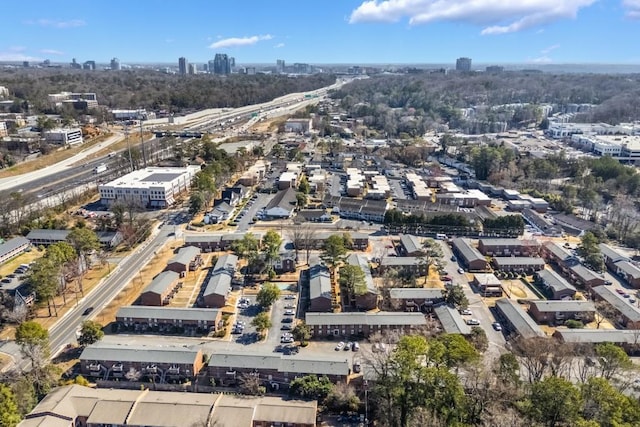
(497, 326)
(466, 312)
(355, 346)
(287, 320)
(378, 347)
(347, 347)
(357, 366)
(286, 327)
(620, 291)
(289, 296)
(461, 271)
(473, 322)
(453, 258)
(339, 346)
(289, 313)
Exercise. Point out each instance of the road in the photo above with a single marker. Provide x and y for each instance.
(64, 331)
(14, 181)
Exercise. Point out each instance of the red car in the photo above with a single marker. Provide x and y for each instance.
(620, 291)
(446, 278)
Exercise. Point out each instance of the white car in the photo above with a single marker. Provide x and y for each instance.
(466, 312)
(473, 322)
(460, 271)
(339, 346)
(289, 313)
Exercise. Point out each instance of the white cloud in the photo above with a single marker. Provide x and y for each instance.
(541, 60)
(11, 56)
(496, 16)
(549, 49)
(52, 23)
(51, 52)
(279, 45)
(239, 41)
(544, 57)
(632, 8)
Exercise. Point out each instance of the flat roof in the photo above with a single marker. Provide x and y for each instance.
(161, 177)
(152, 177)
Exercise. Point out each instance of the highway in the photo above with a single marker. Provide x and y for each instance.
(64, 331)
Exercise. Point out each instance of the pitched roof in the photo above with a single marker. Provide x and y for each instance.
(618, 303)
(506, 242)
(162, 282)
(46, 234)
(13, 244)
(166, 313)
(554, 281)
(185, 255)
(401, 261)
(584, 273)
(568, 306)
(596, 336)
(468, 252)
(299, 364)
(362, 262)
(139, 353)
(563, 254)
(517, 260)
(416, 293)
(629, 269)
(382, 318)
(521, 322)
(319, 282)
(610, 253)
(218, 284)
(411, 243)
(451, 321)
(284, 199)
(226, 262)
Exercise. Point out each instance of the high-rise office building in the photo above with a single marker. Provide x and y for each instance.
(75, 65)
(192, 69)
(183, 65)
(221, 64)
(115, 64)
(463, 64)
(89, 65)
(280, 66)
(232, 63)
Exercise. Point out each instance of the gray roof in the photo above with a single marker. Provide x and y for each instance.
(284, 199)
(218, 284)
(596, 336)
(161, 282)
(507, 242)
(167, 313)
(201, 238)
(411, 243)
(468, 252)
(362, 262)
(138, 353)
(299, 364)
(629, 269)
(567, 306)
(554, 281)
(392, 261)
(618, 303)
(226, 262)
(487, 279)
(518, 260)
(521, 322)
(451, 321)
(563, 254)
(44, 234)
(416, 293)
(13, 244)
(319, 282)
(611, 253)
(185, 255)
(382, 318)
(584, 273)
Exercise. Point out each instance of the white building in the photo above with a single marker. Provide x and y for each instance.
(140, 114)
(152, 187)
(4, 92)
(298, 125)
(64, 136)
(87, 99)
(3, 129)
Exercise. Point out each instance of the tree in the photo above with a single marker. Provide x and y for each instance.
(454, 295)
(33, 340)
(301, 200)
(262, 322)
(303, 186)
(507, 369)
(196, 202)
(457, 350)
(247, 247)
(554, 401)
(84, 241)
(267, 295)
(9, 414)
(311, 387)
(43, 279)
(333, 252)
(607, 406)
(271, 243)
(251, 385)
(90, 332)
(612, 360)
(478, 339)
(301, 333)
(352, 278)
(342, 398)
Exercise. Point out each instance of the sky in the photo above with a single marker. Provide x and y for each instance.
(323, 32)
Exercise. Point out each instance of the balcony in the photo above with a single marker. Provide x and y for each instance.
(117, 368)
(151, 369)
(95, 367)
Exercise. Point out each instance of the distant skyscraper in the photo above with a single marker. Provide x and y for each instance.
(115, 64)
(221, 64)
(232, 63)
(463, 64)
(495, 69)
(89, 65)
(280, 66)
(75, 65)
(205, 67)
(183, 65)
(25, 64)
(192, 69)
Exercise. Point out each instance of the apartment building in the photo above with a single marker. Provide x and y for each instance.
(362, 324)
(167, 320)
(161, 289)
(64, 136)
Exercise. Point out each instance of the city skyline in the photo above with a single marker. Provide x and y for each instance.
(353, 31)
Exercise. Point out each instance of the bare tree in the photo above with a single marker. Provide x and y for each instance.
(308, 238)
(533, 354)
(251, 384)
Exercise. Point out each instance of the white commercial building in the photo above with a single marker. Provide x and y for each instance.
(64, 136)
(87, 99)
(3, 129)
(149, 188)
(140, 114)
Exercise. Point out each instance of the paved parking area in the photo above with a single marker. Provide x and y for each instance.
(252, 210)
(249, 335)
(397, 190)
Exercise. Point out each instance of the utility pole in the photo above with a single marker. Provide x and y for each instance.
(126, 135)
(144, 156)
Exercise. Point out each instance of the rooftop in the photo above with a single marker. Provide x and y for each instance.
(570, 306)
(382, 318)
(162, 282)
(185, 255)
(411, 243)
(139, 353)
(521, 322)
(618, 303)
(451, 321)
(468, 252)
(168, 313)
(416, 293)
(153, 177)
(554, 281)
(319, 282)
(13, 244)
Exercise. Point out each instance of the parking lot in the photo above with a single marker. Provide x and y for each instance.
(398, 191)
(251, 210)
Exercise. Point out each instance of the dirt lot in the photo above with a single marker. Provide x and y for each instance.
(25, 258)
